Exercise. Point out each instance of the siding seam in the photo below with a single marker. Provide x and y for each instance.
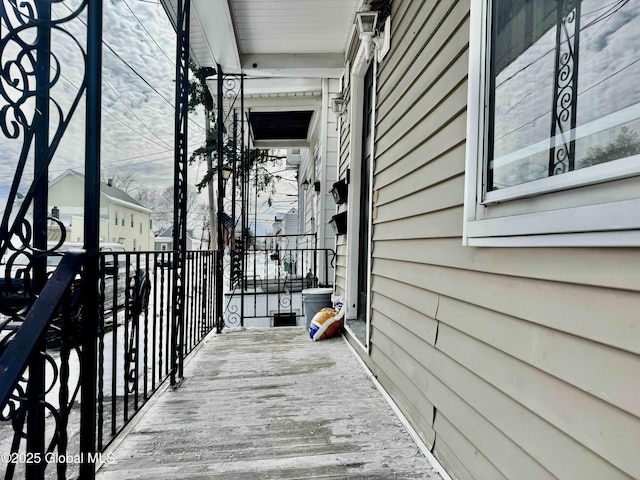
(401, 416)
(435, 340)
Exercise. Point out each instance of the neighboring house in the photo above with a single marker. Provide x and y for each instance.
(277, 224)
(164, 240)
(490, 263)
(295, 114)
(122, 219)
(286, 223)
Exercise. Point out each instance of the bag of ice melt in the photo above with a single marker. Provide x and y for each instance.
(327, 322)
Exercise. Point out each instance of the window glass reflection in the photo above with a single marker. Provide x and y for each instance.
(565, 89)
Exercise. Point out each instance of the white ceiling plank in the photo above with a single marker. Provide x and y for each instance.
(218, 30)
(309, 65)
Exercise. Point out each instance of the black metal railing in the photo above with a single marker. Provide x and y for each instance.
(134, 353)
(135, 344)
(85, 342)
(277, 270)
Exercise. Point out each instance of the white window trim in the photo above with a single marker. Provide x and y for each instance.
(613, 224)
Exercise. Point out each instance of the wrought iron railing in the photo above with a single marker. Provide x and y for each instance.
(276, 271)
(83, 343)
(135, 349)
(40, 353)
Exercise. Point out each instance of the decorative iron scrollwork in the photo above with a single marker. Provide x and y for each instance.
(35, 114)
(564, 116)
(232, 316)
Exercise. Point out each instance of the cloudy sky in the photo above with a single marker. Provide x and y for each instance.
(138, 96)
(137, 105)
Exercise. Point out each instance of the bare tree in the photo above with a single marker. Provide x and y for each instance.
(625, 144)
(147, 197)
(197, 210)
(126, 182)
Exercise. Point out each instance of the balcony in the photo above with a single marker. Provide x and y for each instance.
(268, 403)
(180, 399)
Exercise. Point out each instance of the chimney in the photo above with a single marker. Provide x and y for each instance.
(110, 182)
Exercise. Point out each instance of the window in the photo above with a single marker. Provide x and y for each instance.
(132, 222)
(553, 153)
(140, 227)
(116, 218)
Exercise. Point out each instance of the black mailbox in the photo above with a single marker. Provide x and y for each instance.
(339, 223)
(339, 192)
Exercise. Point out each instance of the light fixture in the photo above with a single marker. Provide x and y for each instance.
(305, 185)
(226, 172)
(339, 105)
(366, 21)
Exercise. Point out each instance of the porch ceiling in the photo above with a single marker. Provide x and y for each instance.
(282, 111)
(285, 38)
(283, 46)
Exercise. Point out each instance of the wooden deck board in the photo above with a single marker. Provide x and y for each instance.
(269, 404)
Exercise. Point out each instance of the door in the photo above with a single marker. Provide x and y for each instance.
(365, 204)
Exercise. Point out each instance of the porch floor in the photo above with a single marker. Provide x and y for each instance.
(269, 403)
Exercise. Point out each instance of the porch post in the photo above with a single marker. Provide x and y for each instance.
(36, 385)
(220, 245)
(243, 207)
(180, 188)
(91, 305)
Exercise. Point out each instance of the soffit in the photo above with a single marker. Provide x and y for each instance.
(285, 38)
(292, 26)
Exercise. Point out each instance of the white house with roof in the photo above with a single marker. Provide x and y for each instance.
(164, 241)
(122, 219)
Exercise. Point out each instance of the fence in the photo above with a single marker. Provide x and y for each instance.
(139, 346)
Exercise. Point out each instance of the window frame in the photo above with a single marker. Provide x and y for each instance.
(590, 212)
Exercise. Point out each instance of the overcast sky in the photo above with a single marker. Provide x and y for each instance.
(137, 105)
(137, 116)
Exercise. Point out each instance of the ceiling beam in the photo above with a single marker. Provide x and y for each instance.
(294, 65)
(271, 144)
(275, 104)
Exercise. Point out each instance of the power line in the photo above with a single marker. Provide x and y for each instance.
(105, 110)
(134, 114)
(606, 17)
(582, 92)
(133, 69)
(147, 32)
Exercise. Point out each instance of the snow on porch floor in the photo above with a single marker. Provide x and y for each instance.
(269, 403)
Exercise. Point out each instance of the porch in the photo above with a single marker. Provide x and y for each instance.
(268, 403)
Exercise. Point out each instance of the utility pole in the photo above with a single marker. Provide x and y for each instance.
(213, 224)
